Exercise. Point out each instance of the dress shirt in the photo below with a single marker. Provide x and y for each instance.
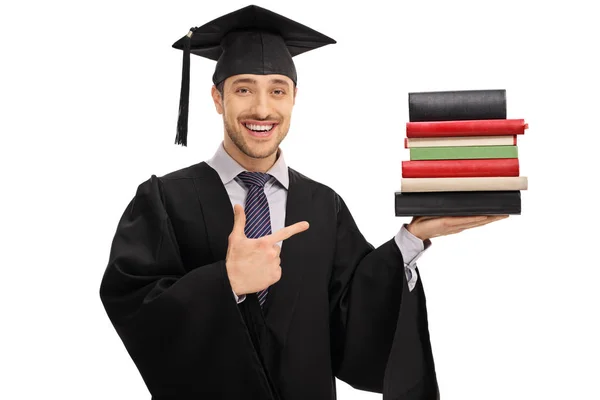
(276, 188)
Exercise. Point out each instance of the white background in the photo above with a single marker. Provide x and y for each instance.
(89, 96)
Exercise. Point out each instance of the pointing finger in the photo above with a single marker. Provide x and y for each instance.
(288, 231)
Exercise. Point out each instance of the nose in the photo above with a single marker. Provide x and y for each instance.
(260, 106)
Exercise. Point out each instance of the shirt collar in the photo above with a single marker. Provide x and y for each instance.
(228, 168)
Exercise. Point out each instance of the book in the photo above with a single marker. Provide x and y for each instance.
(493, 183)
(491, 127)
(458, 203)
(457, 105)
(486, 167)
(458, 152)
(508, 140)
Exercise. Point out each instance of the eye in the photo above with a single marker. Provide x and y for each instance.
(242, 90)
(279, 92)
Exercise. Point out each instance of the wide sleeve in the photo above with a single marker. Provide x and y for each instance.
(182, 328)
(378, 341)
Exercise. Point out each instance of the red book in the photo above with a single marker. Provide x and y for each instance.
(484, 127)
(484, 167)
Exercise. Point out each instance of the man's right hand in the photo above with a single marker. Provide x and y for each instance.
(254, 264)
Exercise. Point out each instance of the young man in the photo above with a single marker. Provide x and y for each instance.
(240, 277)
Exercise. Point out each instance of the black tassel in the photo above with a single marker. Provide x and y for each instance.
(182, 123)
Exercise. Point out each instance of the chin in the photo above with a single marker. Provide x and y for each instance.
(260, 150)
(256, 147)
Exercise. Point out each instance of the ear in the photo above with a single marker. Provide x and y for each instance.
(216, 96)
(295, 92)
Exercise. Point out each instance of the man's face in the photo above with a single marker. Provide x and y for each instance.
(256, 111)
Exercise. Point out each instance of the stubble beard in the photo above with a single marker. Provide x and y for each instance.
(237, 137)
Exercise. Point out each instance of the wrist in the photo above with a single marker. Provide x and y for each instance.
(233, 281)
(415, 232)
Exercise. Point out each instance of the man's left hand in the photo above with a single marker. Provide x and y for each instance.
(429, 227)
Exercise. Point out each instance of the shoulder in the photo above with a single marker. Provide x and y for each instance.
(175, 182)
(193, 171)
(199, 170)
(319, 191)
(300, 179)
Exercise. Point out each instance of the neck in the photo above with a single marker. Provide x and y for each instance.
(249, 163)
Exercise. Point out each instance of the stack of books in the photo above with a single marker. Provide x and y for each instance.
(463, 155)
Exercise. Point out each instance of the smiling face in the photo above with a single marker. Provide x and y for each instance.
(256, 111)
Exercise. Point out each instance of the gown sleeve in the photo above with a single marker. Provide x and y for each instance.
(182, 328)
(379, 336)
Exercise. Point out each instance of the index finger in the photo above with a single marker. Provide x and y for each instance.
(288, 231)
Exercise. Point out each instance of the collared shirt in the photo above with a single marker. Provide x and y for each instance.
(276, 189)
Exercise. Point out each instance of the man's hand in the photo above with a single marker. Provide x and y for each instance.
(254, 264)
(429, 227)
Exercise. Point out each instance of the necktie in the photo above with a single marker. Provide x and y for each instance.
(258, 217)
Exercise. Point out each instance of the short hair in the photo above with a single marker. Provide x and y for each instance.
(220, 87)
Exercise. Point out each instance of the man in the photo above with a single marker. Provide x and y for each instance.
(240, 278)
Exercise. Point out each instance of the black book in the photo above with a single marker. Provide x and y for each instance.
(457, 203)
(457, 105)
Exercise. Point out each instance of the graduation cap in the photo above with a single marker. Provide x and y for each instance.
(251, 40)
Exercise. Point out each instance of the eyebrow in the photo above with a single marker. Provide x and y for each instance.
(253, 81)
(280, 82)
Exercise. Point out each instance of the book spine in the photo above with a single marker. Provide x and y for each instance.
(463, 184)
(457, 105)
(492, 127)
(509, 140)
(461, 168)
(457, 203)
(468, 152)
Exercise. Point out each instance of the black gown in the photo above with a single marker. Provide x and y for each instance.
(341, 309)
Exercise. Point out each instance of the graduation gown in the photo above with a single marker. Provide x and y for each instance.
(341, 309)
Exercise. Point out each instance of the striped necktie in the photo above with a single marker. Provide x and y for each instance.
(258, 217)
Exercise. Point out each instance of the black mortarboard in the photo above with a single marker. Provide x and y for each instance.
(251, 40)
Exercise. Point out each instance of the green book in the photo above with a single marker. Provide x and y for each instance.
(462, 152)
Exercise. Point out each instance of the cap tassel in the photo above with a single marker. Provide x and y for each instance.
(182, 123)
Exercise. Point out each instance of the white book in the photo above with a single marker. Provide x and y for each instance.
(463, 184)
(508, 140)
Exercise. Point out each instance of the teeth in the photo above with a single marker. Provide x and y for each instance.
(259, 127)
